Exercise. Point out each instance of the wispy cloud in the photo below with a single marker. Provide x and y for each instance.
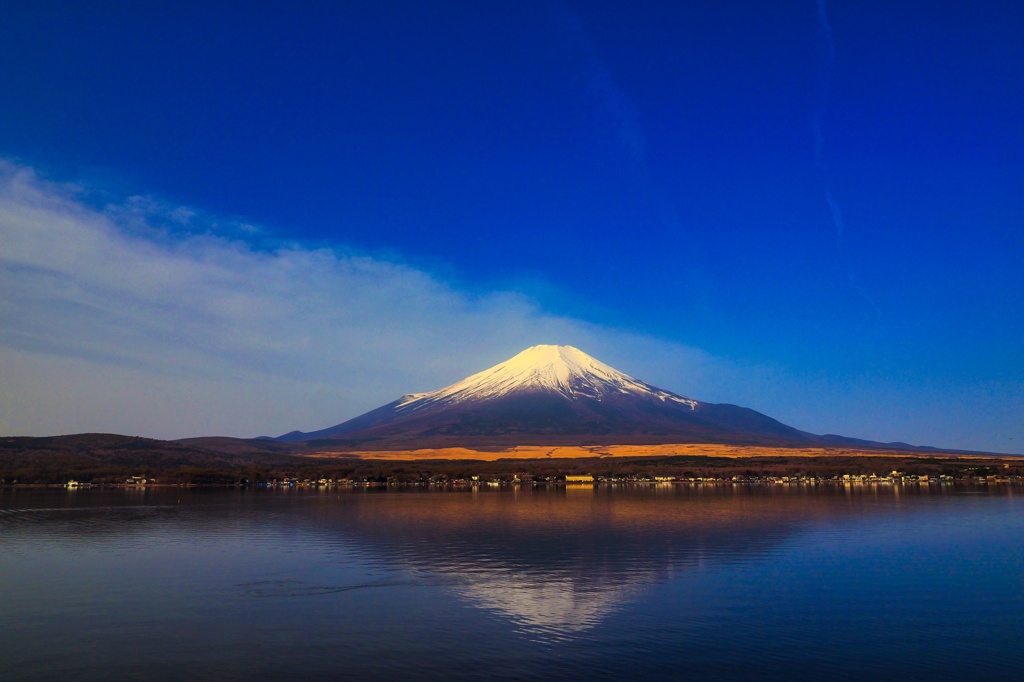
(827, 61)
(616, 115)
(826, 65)
(140, 317)
(614, 109)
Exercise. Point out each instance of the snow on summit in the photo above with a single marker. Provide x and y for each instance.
(551, 394)
(564, 370)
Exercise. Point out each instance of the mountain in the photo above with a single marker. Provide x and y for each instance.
(555, 395)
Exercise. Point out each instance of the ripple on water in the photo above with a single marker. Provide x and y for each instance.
(456, 586)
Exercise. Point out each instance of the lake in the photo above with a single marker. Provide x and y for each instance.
(629, 582)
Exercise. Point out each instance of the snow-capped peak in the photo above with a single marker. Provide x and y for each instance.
(564, 370)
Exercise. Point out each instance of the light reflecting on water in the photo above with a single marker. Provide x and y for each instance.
(605, 583)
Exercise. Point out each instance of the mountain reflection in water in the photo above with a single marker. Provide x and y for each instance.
(401, 583)
(560, 561)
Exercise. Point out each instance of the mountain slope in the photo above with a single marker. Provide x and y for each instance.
(552, 395)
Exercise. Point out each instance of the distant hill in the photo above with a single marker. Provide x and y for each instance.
(112, 457)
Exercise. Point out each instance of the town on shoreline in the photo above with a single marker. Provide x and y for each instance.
(390, 477)
(111, 460)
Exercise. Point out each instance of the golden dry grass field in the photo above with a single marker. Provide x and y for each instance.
(613, 451)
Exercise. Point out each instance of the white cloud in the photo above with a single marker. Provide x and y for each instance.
(111, 321)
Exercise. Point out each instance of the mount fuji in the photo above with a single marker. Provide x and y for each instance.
(554, 395)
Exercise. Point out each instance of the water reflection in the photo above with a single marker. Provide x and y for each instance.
(560, 562)
(606, 583)
(554, 562)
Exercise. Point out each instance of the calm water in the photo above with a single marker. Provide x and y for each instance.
(611, 583)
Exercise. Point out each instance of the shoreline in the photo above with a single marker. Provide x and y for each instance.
(112, 461)
(812, 482)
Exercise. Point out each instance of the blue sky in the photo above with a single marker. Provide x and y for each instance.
(811, 209)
